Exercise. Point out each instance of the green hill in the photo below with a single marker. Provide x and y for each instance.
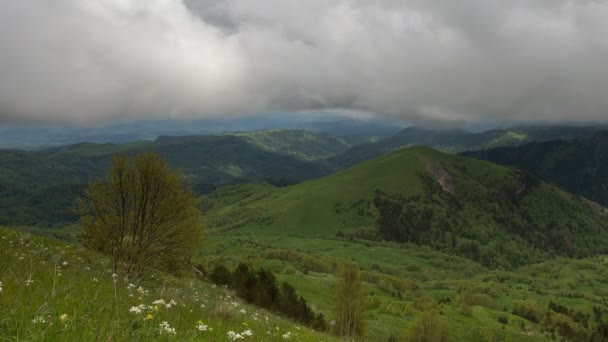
(490, 214)
(39, 187)
(579, 166)
(456, 140)
(296, 143)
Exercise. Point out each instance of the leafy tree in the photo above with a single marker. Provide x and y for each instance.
(142, 215)
(350, 305)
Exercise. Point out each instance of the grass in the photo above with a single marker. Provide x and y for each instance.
(430, 274)
(55, 291)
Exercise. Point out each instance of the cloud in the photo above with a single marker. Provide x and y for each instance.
(89, 61)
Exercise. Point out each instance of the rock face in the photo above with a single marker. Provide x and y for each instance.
(440, 175)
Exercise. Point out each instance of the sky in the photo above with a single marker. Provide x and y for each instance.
(96, 61)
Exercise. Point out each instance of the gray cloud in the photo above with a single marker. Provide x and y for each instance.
(89, 61)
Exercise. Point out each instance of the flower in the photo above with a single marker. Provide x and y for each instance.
(165, 328)
(29, 282)
(247, 332)
(95, 280)
(243, 311)
(159, 302)
(63, 318)
(234, 336)
(135, 309)
(201, 326)
(287, 335)
(148, 317)
(0, 287)
(65, 263)
(38, 319)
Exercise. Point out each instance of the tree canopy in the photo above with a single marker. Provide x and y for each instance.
(142, 215)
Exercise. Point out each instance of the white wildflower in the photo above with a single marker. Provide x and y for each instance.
(287, 335)
(243, 311)
(159, 302)
(234, 336)
(170, 304)
(247, 332)
(29, 282)
(65, 263)
(38, 319)
(165, 328)
(135, 309)
(201, 326)
(95, 280)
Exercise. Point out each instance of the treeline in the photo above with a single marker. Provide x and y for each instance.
(501, 224)
(261, 288)
(558, 320)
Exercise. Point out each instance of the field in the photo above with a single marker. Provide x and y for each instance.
(56, 291)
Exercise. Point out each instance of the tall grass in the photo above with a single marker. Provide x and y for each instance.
(58, 292)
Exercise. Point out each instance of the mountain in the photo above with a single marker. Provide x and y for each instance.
(297, 143)
(494, 215)
(456, 140)
(39, 187)
(579, 166)
(39, 137)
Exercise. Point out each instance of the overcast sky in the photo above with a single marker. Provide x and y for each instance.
(467, 60)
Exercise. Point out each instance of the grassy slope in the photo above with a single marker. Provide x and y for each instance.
(310, 208)
(297, 143)
(67, 280)
(322, 207)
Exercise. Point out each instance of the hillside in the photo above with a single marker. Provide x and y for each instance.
(60, 292)
(579, 166)
(39, 187)
(490, 214)
(456, 140)
(296, 143)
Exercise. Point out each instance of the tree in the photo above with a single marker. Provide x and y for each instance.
(142, 215)
(429, 328)
(350, 303)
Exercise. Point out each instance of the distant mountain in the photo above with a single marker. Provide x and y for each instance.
(38, 137)
(579, 166)
(493, 215)
(39, 187)
(455, 140)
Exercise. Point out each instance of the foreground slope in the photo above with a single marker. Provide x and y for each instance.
(494, 215)
(58, 292)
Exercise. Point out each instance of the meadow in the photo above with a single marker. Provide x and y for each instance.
(54, 291)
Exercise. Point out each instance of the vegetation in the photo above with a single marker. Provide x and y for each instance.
(260, 288)
(487, 213)
(52, 291)
(350, 303)
(579, 166)
(142, 216)
(40, 187)
(455, 140)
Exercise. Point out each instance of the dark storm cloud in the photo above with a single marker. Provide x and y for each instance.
(432, 61)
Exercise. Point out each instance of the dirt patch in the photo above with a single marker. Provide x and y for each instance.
(441, 176)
